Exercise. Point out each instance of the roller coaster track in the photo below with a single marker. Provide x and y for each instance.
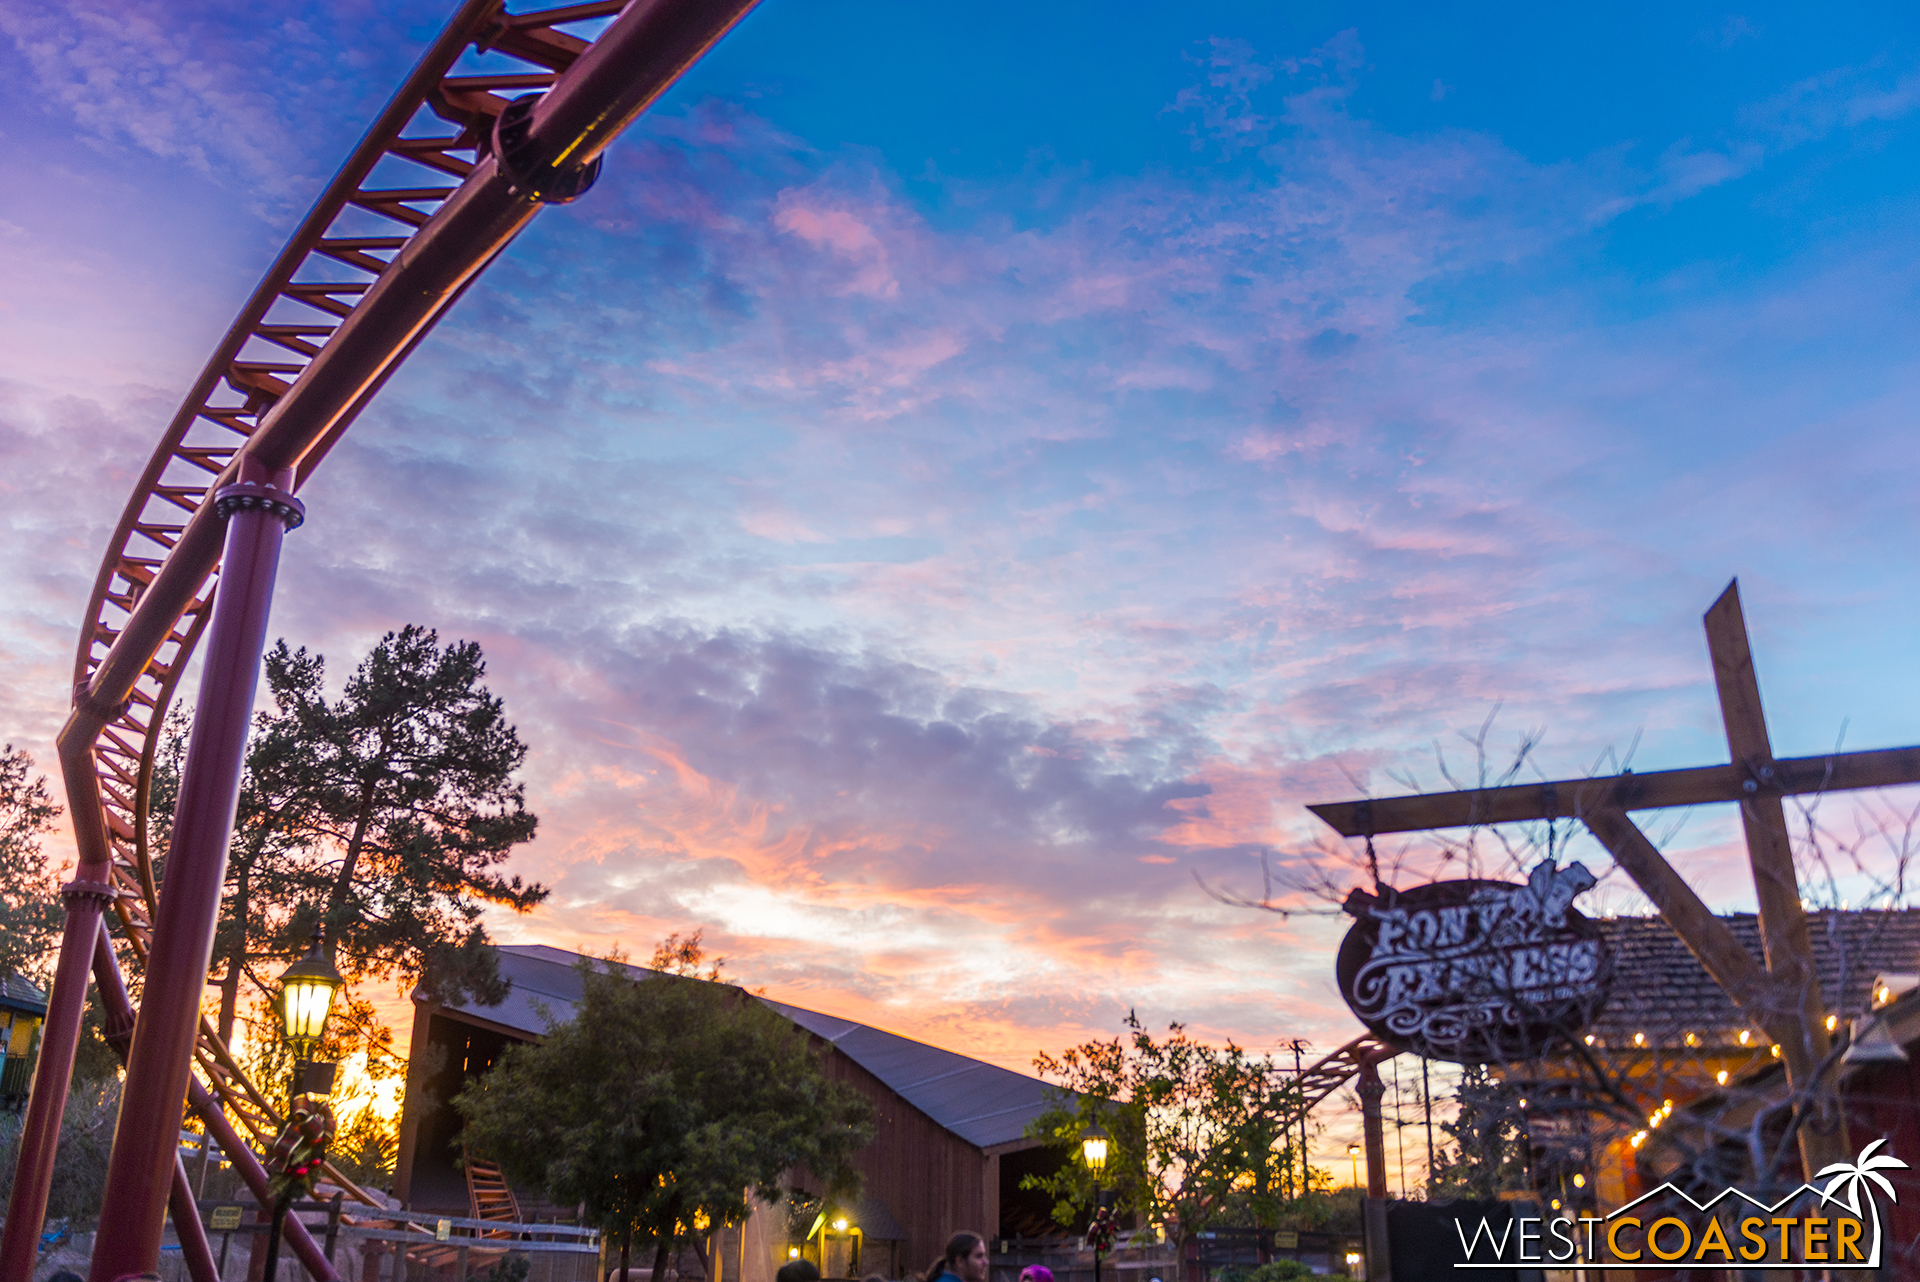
(1337, 1069)
(273, 387)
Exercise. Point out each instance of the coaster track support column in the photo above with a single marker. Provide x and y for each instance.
(259, 510)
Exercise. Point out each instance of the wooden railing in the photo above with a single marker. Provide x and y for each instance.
(399, 1240)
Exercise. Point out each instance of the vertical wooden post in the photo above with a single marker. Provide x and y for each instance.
(1783, 919)
(1371, 1090)
(257, 1245)
(334, 1207)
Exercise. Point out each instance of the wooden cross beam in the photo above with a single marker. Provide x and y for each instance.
(1577, 798)
(1784, 998)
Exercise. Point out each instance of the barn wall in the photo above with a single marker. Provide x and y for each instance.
(414, 1102)
(447, 1052)
(934, 1182)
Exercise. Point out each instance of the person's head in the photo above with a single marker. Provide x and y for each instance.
(1036, 1273)
(966, 1257)
(797, 1271)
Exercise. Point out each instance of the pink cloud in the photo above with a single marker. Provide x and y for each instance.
(917, 608)
(842, 232)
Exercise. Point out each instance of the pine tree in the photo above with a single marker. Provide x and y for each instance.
(405, 806)
(383, 814)
(1488, 1155)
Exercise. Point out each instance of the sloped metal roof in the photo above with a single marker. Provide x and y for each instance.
(981, 1103)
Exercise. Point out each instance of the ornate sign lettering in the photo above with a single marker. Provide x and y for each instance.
(1475, 971)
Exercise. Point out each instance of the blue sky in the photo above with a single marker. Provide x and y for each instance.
(964, 472)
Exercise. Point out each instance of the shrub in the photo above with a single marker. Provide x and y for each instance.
(86, 1138)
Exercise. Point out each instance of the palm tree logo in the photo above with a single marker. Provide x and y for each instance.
(1855, 1176)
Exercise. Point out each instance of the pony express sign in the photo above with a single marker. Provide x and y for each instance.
(1475, 971)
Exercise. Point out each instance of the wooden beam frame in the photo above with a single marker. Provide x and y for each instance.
(1708, 938)
(1784, 999)
(1656, 790)
(1783, 918)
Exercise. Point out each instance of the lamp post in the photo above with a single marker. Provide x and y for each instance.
(1353, 1159)
(1093, 1148)
(307, 990)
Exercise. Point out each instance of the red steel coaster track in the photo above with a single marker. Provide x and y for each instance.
(453, 168)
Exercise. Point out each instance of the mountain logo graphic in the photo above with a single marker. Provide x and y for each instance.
(1841, 1227)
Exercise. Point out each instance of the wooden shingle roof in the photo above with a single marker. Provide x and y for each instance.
(22, 997)
(1660, 989)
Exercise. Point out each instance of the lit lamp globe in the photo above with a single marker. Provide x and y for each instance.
(307, 990)
(1093, 1147)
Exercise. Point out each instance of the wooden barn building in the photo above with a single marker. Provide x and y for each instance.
(949, 1147)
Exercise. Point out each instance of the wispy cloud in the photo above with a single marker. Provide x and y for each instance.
(916, 598)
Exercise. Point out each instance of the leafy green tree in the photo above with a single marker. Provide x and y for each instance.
(30, 908)
(1097, 1079)
(1200, 1136)
(661, 1103)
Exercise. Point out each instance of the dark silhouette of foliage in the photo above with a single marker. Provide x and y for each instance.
(30, 909)
(1488, 1155)
(1199, 1136)
(662, 1103)
(384, 814)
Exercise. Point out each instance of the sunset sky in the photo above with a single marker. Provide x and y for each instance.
(967, 470)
